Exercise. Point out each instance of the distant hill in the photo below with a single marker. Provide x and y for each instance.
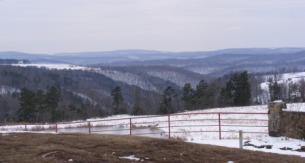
(213, 63)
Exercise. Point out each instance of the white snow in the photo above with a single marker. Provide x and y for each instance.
(7, 90)
(295, 107)
(54, 66)
(285, 79)
(195, 127)
(131, 157)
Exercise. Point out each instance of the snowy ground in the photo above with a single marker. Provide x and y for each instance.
(53, 66)
(195, 126)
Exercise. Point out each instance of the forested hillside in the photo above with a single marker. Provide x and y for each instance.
(87, 93)
(31, 93)
(83, 94)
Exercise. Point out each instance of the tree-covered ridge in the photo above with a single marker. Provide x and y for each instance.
(39, 106)
(42, 95)
(12, 61)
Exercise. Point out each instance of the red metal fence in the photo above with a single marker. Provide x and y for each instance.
(160, 125)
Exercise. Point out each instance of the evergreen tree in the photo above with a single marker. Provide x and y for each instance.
(237, 91)
(116, 94)
(188, 96)
(27, 110)
(301, 89)
(227, 94)
(166, 104)
(137, 110)
(292, 91)
(242, 92)
(200, 96)
(40, 105)
(52, 99)
(274, 90)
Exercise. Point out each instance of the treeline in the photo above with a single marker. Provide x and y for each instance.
(81, 94)
(12, 61)
(219, 93)
(288, 91)
(60, 102)
(235, 92)
(39, 106)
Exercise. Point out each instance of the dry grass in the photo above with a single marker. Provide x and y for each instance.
(108, 148)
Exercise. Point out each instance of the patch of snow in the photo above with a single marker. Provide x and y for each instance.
(83, 97)
(8, 90)
(131, 157)
(278, 101)
(177, 78)
(128, 78)
(295, 107)
(54, 66)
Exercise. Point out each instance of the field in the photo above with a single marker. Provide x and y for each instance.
(195, 127)
(33, 148)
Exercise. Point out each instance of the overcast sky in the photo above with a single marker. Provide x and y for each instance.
(52, 26)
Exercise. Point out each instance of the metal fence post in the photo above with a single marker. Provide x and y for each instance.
(240, 139)
(25, 127)
(89, 126)
(219, 125)
(130, 126)
(56, 129)
(169, 126)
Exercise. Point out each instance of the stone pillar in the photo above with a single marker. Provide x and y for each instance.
(274, 117)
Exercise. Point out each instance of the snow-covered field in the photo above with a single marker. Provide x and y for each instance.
(193, 126)
(53, 66)
(283, 78)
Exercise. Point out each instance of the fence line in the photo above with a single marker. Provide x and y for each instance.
(156, 125)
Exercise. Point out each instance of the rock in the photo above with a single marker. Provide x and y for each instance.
(285, 148)
(274, 134)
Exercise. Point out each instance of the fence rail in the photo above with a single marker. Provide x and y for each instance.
(173, 125)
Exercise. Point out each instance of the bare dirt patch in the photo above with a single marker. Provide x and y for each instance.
(111, 148)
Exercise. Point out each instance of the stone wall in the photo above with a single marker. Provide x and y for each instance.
(282, 123)
(293, 124)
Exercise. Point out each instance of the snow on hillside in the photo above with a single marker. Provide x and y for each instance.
(54, 66)
(128, 78)
(7, 90)
(125, 77)
(85, 98)
(283, 78)
(183, 123)
(174, 77)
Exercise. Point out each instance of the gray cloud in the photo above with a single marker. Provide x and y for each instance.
(52, 26)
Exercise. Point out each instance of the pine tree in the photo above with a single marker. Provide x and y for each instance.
(242, 92)
(188, 96)
(166, 104)
(237, 91)
(40, 105)
(52, 99)
(27, 110)
(116, 94)
(227, 94)
(137, 110)
(274, 90)
(200, 96)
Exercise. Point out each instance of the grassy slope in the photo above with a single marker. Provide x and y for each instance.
(108, 148)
